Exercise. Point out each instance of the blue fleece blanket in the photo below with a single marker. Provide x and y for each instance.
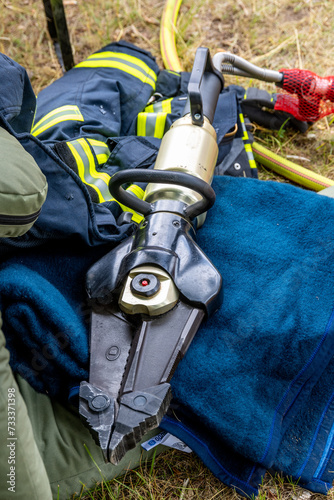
(45, 315)
(254, 392)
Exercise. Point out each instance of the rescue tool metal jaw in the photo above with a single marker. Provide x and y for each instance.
(150, 294)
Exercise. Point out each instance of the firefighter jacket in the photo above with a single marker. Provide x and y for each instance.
(107, 113)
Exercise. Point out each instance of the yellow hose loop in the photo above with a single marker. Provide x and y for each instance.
(290, 170)
(286, 168)
(167, 35)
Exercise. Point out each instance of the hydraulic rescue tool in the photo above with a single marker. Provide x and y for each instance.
(150, 294)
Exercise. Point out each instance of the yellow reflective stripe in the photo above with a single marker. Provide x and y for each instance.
(151, 124)
(160, 125)
(88, 174)
(245, 136)
(95, 142)
(58, 115)
(251, 159)
(248, 146)
(141, 124)
(252, 164)
(101, 150)
(55, 121)
(173, 72)
(117, 65)
(123, 62)
(86, 168)
(152, 121)
(139, 193)
(157, 107)
(167, 105)
(136, 190)
(56, 111)
(126, 57)
(97, 175)
(81, 170)
(101, 158)
(149, 109)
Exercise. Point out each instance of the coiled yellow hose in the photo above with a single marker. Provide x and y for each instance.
(286, 168)
(167, 35)
(290, 170)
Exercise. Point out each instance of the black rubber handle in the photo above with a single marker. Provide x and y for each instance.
(204, 87)
(160, 177)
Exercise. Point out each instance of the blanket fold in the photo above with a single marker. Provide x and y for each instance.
(254, 391)
(46, 316)
(43, 332)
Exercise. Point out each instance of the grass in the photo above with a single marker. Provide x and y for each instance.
(275, 34)
(176, 475)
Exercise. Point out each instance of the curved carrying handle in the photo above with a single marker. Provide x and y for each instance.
(161, 177)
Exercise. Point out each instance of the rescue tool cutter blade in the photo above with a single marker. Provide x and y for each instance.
(139, 337)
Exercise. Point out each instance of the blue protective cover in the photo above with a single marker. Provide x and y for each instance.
(255, 388)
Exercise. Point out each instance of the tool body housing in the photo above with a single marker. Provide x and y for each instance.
(150, 294)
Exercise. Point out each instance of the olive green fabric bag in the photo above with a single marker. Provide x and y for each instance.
(23, 187)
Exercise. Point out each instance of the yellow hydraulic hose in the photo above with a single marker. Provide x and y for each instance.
(284, 167)
(167, 35)
(290, 170)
